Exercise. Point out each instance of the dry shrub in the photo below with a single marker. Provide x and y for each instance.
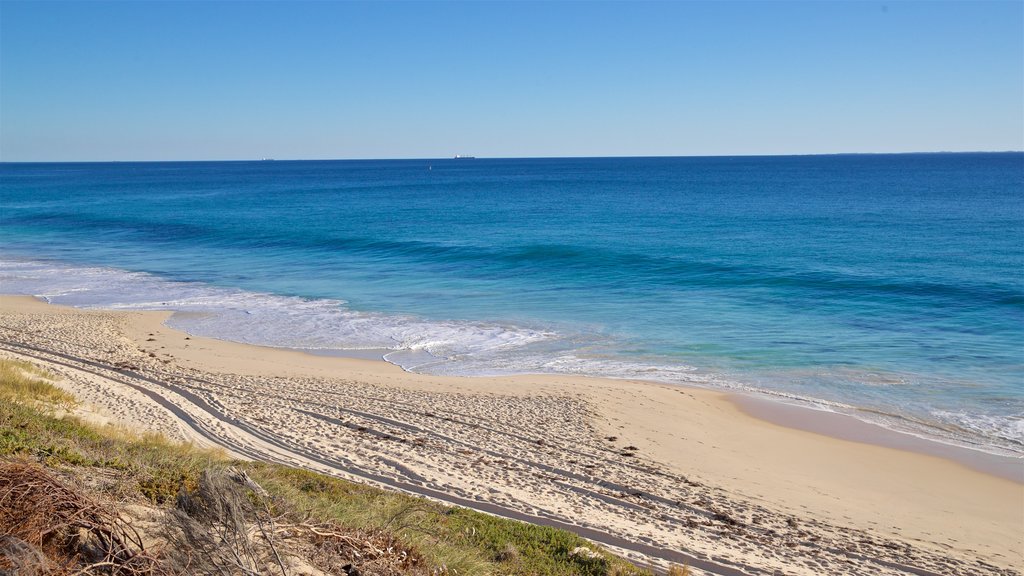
(339, 549)
(508, 553)
(20, 558)
(222, 527)
(677, 570)
(227, 525)
(49, 527)
(230, 525)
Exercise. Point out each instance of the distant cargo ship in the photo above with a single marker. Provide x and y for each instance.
(461, 157)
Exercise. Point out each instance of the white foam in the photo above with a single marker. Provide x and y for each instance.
(1007, 428)
(444, 347)
(261, 318)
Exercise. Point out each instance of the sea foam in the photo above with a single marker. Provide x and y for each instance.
(446, 347)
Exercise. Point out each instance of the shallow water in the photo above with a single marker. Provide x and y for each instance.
(890, 286)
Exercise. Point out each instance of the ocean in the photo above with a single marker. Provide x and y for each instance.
(889, 287)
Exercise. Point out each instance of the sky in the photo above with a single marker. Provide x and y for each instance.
(98, 81)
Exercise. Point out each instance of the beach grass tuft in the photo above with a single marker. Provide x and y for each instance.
(24, 382)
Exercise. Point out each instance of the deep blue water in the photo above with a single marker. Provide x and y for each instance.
(891, 286)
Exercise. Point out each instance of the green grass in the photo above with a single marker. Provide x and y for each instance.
(470, 542)
(29, 425)
(149, 466)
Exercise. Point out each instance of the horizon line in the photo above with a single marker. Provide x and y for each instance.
(414, 158)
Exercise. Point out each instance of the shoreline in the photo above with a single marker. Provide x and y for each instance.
(771, 409)
(749, 464)
(988, 427)
(774, 410)
(996, 433)
(841, 426)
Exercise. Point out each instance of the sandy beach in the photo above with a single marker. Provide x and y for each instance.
(725, 484)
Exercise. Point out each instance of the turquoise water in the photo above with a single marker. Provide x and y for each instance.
(888, 286)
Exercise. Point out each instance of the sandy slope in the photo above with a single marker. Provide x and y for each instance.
(665, 472)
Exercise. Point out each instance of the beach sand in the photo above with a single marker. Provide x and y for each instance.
(724, 483)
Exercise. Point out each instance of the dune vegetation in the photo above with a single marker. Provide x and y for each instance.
(77, 498)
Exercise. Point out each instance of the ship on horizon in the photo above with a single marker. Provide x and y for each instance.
(463, 157)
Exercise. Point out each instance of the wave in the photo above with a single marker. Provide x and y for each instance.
(460, 347)
(260, 318)
(588, 264)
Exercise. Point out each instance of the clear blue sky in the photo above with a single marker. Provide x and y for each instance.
(238, 80)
